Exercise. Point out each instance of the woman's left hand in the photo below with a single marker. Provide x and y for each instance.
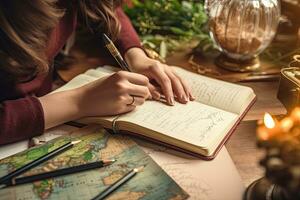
(171, 85)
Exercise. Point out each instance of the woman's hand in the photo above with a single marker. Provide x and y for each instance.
(112, 95)
(171, 84)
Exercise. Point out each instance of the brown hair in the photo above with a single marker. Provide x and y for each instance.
(25, 27)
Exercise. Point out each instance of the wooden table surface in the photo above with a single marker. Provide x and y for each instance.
(241, 146)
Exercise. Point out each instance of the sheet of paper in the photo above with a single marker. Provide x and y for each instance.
(203, 180)
(11, 149)
(216, 93)
(194, 122)
(97, 73)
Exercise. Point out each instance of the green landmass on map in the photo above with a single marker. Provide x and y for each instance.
(151, 183)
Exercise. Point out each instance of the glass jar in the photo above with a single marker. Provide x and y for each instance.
(242, 29)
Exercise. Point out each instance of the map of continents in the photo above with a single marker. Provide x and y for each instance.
(96, 144)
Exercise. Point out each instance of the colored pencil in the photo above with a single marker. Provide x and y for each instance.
(6, 180)
(118, 183)
(61, 172)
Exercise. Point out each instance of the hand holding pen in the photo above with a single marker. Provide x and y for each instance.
(171, 85)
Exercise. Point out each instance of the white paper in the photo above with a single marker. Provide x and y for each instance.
(202, 180)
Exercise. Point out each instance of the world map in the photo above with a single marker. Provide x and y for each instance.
(96, 144)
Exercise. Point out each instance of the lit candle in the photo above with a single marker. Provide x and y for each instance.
(281, 141)
(269, 129)
(269, 121)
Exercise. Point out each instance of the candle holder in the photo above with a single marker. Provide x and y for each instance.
(281, 141)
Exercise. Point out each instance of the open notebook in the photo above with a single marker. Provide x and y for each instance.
(200, 127)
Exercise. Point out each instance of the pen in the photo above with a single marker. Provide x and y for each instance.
(115, 53)
(118, 183)
(8, 178)
(60, 172)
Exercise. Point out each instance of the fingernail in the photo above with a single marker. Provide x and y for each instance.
(156, 95)
(192, 98)
(186, 99)
(172, 101)
(182, 97)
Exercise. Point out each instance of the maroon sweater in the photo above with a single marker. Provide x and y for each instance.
(21, 113)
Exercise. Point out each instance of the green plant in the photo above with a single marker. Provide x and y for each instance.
(165, 25)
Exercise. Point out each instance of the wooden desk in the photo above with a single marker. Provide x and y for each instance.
(242, 144)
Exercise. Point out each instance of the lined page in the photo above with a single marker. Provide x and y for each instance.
(193, 123)
(226, 96)
(83, 79)
(76, 82)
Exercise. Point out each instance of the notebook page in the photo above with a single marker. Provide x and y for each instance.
(193, 123)
(76, 82)
(227, 96)
(83, 79)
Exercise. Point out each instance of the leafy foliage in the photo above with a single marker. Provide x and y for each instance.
(165, 25)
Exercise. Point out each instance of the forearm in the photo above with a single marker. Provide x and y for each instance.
(60, 107)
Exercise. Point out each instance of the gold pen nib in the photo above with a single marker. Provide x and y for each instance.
(139, 169)
(75, 142)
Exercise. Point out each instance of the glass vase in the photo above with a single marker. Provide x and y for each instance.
(242, 29)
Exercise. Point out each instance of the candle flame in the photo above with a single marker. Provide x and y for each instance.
(269, 121)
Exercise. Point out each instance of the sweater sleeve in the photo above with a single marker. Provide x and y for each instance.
(20, 119)
(128, 38)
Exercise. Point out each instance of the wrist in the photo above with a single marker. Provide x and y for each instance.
(76, 96)
(60, 107)
(137, 59)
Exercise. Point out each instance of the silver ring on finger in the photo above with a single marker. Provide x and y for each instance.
(132, 102)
